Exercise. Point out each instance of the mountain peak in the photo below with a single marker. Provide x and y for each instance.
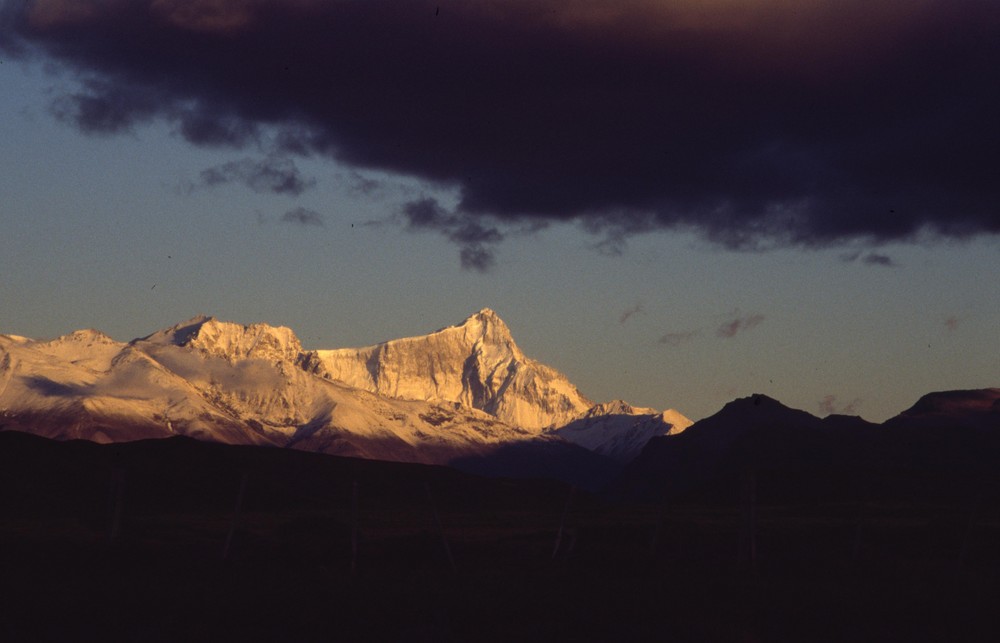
(485, 315)
(618, 407)
(178, 334)
(84, 336)
(230, 340)
(755, 401)
(485, 312)
(486, 325)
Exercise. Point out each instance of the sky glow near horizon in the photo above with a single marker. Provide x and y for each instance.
(654, 292)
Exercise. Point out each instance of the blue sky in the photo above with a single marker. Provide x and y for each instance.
(121, 230)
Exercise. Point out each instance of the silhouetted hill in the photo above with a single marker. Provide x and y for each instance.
(176, 539)
(39, 475)
(974, 409)
(946, 446)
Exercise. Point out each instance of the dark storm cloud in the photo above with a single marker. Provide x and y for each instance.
(756, 123)
(869, 259)
(274, 174)
(104, 109)
(738, 324)
(474, 239)
(101, 111)
(614, 229)
(303, 216)
(207, 129)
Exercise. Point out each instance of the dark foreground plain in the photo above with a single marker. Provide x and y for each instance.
(174, 540)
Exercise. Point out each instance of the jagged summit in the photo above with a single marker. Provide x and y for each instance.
(618, 407)
(488, 319)
(475, 363)
(485, 327)
(178, 334)
(484, 314)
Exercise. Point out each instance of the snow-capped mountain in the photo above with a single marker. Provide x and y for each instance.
(463, 391)
(476, 364)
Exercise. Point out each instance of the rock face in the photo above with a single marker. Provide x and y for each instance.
(457, 395)
(475, 364)
(231, 341)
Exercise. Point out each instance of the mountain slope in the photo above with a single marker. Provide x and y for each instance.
(978, 409)
(63, 389)
(620, 431)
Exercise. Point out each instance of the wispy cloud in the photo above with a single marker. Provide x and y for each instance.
(303, 216)
(829, 405)
(361, 184)
(476, 257)
(826, 405)
(275, 174)
(614, 230)
(875, 259)
(869, 259)
(630, 312)
(677, 338)
(739, 324)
